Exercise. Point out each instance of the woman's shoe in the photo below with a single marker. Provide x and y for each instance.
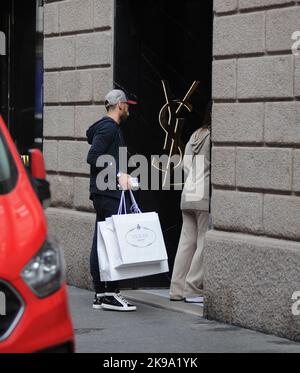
(194, 300)
(176, 300)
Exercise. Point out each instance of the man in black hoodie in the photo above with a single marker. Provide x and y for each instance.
(106, 138)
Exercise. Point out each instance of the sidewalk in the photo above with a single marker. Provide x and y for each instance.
(159, 328)
(160, 298)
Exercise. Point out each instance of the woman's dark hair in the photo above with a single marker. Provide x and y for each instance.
(207, 116)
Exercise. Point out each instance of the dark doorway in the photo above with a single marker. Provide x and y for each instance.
(162, 40)
(21, 71)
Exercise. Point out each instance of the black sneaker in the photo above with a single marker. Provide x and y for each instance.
(116, 302)
(98, 300)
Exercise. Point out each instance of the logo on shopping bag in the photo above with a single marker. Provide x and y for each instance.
(140, 236)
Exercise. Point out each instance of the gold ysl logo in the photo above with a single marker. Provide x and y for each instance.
(25, 159)
(172, 124)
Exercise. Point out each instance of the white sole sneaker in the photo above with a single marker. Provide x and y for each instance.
(194, 300)
(96, 307)
(116, 308)
(116, 302)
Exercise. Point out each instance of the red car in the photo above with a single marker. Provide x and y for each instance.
(34, 314)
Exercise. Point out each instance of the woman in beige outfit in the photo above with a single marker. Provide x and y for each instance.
(187, 278)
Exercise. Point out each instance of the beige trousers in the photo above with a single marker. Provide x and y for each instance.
(187, 278)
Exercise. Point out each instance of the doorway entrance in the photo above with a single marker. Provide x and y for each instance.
(21, 71)
(156, 41)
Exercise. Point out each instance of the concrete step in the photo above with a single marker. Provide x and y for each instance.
(160, 298)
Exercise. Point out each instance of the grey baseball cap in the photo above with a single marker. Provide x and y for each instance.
(115, 96)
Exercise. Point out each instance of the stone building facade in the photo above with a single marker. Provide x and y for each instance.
(252, 255)
(78, 48)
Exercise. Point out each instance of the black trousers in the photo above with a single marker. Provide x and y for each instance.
(105, 207)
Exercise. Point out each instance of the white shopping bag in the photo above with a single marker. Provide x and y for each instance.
(139, 236)
(108, 253)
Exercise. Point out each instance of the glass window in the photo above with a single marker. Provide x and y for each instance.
(21, 72)
(8, 170)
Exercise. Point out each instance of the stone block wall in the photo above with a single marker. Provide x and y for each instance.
(78, 63)
(252, 256)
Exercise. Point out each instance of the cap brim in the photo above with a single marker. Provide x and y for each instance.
(130, 102)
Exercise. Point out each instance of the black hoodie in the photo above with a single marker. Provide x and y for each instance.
(105, 138)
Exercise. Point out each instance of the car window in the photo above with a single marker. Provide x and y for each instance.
(8, 170)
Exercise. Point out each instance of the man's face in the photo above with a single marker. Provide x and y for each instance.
(124, 110)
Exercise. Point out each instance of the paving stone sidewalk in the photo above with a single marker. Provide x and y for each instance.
(154, 329)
